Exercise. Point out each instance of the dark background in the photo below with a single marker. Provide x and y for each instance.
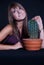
(33, 8)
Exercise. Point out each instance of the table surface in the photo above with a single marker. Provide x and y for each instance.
(22, 56)
(21, 52)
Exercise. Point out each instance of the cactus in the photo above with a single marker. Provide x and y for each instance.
(33, 29)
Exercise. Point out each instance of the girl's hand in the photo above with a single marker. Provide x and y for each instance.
(38, 19)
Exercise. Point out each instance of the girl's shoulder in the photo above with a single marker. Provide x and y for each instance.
(9, 28)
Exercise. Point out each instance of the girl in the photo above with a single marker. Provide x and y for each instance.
(11, 34)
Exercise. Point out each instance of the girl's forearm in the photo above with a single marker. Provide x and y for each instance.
(5, 47)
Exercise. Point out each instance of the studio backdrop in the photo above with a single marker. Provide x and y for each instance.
(33, 8)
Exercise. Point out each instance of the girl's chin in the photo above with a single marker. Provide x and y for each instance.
(20, 19)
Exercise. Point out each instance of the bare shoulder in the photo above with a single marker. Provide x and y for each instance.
(7, 29)
(8, 26)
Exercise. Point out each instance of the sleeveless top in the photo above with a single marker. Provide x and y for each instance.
(10, 40)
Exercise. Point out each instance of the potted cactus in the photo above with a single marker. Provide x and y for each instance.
(33, 42)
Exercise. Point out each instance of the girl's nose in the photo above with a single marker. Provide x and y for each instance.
(19, 12)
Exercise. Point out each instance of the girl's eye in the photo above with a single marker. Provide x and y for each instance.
(19, 8)
(14, 11)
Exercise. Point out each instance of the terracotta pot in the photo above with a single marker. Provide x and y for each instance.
(32, 44)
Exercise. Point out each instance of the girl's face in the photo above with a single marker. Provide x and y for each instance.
(18, 13)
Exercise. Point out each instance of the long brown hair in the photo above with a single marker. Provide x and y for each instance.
(12, 21)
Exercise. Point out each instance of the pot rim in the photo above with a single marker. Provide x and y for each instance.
(31, 39)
